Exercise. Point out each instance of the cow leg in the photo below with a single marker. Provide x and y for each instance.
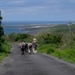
(22, 51)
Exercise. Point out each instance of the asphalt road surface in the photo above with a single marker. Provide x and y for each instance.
(34, 64)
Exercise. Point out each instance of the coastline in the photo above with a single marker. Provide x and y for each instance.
(29, 29)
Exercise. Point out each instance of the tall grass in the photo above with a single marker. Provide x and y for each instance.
(5, 50)
(65, 53)
(2, 55)
(68, 55)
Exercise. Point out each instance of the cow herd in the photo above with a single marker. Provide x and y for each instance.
(30, 48)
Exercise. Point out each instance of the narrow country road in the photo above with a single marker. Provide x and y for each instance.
(34, 64)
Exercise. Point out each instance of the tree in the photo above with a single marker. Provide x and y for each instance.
(1, 31)
(0, 18)
(1, 28)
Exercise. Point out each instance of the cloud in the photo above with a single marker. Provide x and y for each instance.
(23, 9)
(37, 7)
(32, 6)
(11, 3)
(17, 2)
(72, 1)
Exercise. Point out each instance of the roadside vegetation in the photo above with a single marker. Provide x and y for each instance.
(4, 46)
(54, 41)
(13, 37)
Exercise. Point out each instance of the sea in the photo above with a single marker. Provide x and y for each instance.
(27, 26)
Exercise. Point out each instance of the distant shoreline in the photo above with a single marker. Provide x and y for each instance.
(28, 27)
(34, 29)
(33, 23)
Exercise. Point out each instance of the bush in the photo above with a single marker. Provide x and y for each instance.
(42, 48)
(1, 31)
(50, 50)
(2, 55)
(51, 38)
(4, 50)
(58, 53)
(5, 47)
(12, 36)
(18, 37)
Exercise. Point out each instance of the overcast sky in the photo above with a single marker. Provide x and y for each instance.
(38, 10)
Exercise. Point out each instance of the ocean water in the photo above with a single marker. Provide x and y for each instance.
(33, 22)
(8, 30)
(17, 27)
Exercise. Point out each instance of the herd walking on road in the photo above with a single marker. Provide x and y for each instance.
(30, 48)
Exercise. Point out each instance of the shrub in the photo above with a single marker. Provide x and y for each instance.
(2, 55)
(51, 38)
(1, 31)
(12, 36)
(18, 37)
(58, 53)
(5, 47)
(50, 50)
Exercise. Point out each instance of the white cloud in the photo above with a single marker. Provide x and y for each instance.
(10, 3)
(9, 13)
(47, 6)
(20, 10)
(53, 1)
(43, 8)
(16, 1)
(72, 1)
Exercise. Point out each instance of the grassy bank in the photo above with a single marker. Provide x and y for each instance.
(5, 49)
(2, 55)
(62, 49)
(66, 54)
(4, 46)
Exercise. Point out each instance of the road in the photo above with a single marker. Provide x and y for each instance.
(34, 64)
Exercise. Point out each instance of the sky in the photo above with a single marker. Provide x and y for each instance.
(38, 10)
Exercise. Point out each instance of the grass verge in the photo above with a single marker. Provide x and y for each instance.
(64, 54)
(5, 50)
